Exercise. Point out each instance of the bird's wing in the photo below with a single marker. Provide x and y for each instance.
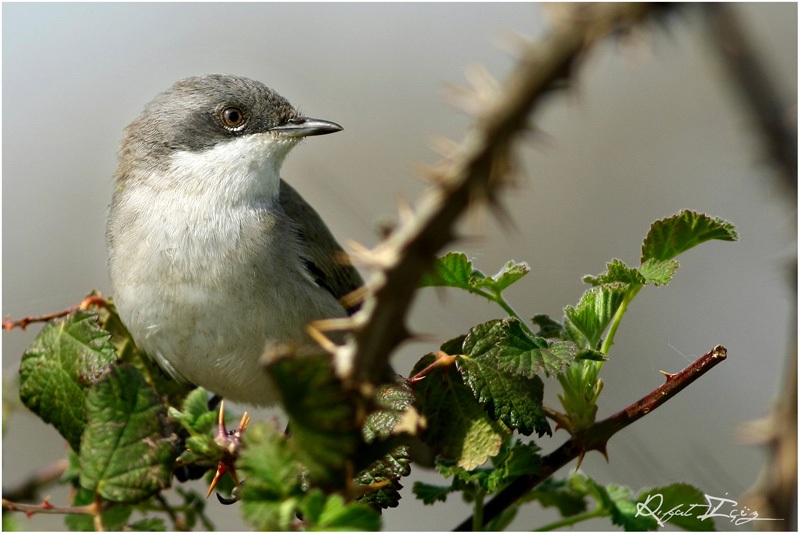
(326, 261)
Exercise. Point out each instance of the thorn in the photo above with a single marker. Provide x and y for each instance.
(355, 298)
(230, 443)
(444, 146)
(602, 448)
(514, 43)
(462, 99)
(669, 376)
(485, 85)
(321, 339)
(334, 324)
(580, 459)
(405, 211)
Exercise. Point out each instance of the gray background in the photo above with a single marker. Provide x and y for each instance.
(650, 128)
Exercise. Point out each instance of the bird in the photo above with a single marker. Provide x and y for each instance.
(212, 256)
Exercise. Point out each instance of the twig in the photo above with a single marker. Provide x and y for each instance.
(46, 508)
(91, 300)
(596, 436)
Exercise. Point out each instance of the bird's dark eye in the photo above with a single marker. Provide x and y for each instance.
(233, 118)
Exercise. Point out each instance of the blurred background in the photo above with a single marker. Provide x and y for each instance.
(651, 127)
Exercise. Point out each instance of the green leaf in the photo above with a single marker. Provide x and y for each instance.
(674, 235)
(65, 359)
(623, 510)
(455, 270)
(513, 461)
(386, 472)
(336, 515)
(273, 492)
(322, 415)
(451, 270)
(686, 503)
(510, 273)
(617, 272)
(507, 345)
(127, 450)
(515, 400)
(457, 425)
(430, 493)
(658, 272)
(586, 322)
(195, 415)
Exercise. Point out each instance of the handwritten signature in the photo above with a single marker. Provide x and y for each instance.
(714, 507)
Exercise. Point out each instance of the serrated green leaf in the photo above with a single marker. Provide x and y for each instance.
(623, 510)
(128, 449)
(430, 493)
(617, 272)
(455, 270)
(66, 357)
(457, 425)
(585, 323)
(194, 415)
(322, 415)
(680, 504)
(676, 234)
(451, 270)
(336, 515)
(516, 400)
(512, 350)
(386, 472)
(510, 273)
(658, 272)
(273, 492)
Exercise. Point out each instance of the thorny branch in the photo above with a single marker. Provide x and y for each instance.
(475, 171)
(596, 436)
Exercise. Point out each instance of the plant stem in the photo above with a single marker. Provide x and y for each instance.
(623, 307)
(503, 303)
(477, 514)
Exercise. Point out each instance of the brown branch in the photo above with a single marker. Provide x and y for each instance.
(474, 171)
(91, 300)
(596, 436)
(46, 508)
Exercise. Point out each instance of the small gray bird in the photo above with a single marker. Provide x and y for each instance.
(212, 255)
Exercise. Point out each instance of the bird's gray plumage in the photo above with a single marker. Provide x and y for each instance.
(211, 255)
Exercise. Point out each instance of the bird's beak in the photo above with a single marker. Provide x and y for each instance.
(305, 126)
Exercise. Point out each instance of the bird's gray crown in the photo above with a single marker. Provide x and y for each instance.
(197, 113)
